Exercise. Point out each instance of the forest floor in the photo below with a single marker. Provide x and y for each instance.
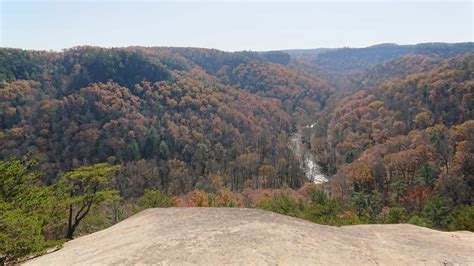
(216, 236)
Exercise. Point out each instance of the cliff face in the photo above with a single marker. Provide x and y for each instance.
(213, 236)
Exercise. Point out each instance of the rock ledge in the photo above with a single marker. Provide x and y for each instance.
(216, 236)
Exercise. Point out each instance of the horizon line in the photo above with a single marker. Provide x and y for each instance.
(244, 50)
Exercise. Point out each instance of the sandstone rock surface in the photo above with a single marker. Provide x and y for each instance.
(217, 236)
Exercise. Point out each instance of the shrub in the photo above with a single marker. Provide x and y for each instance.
(318, 196)
(417, 220)
(393, 215)
(226, 198)
(462, 218)
(199, 198)
(20, 235)
(436, 212)
(283, 204)
(155, 199)
(330, 212)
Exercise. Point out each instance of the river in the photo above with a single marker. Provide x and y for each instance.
(311, 169)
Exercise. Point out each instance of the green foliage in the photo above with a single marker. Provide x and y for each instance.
(232, 204)
(395, 215)
(360, 202)
(26, 208)
(20, 64)
(436, 212)
(318, 196)
(102, 216)
(203, 151)
(462, 218)
(164, 150)
(155, 199)
(350, 156)
(20, 234)
(398, 188)
(417, 220)
(283, 204)
(99, 65)
(84, 188)
(17, 176)
(330, 212)
(134, 150)
(319, 209)
(437, 215)
(375, 205)
(427, 174)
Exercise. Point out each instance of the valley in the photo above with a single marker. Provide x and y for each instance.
(236, 132)
(379, 135)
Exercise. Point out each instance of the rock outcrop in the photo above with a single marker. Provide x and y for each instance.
(217, 236)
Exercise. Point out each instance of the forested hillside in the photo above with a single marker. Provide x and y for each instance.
(92, 135)
(189, 113)
(352, 59)
(405, 140)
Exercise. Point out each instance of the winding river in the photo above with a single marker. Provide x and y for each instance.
(311, 169)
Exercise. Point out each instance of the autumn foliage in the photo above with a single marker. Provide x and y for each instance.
(392, 128)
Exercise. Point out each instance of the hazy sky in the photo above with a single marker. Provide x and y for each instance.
(232, 26)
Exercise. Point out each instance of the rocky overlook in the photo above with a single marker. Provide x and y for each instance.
(213, 236)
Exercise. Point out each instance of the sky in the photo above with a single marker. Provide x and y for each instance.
(232, 26)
